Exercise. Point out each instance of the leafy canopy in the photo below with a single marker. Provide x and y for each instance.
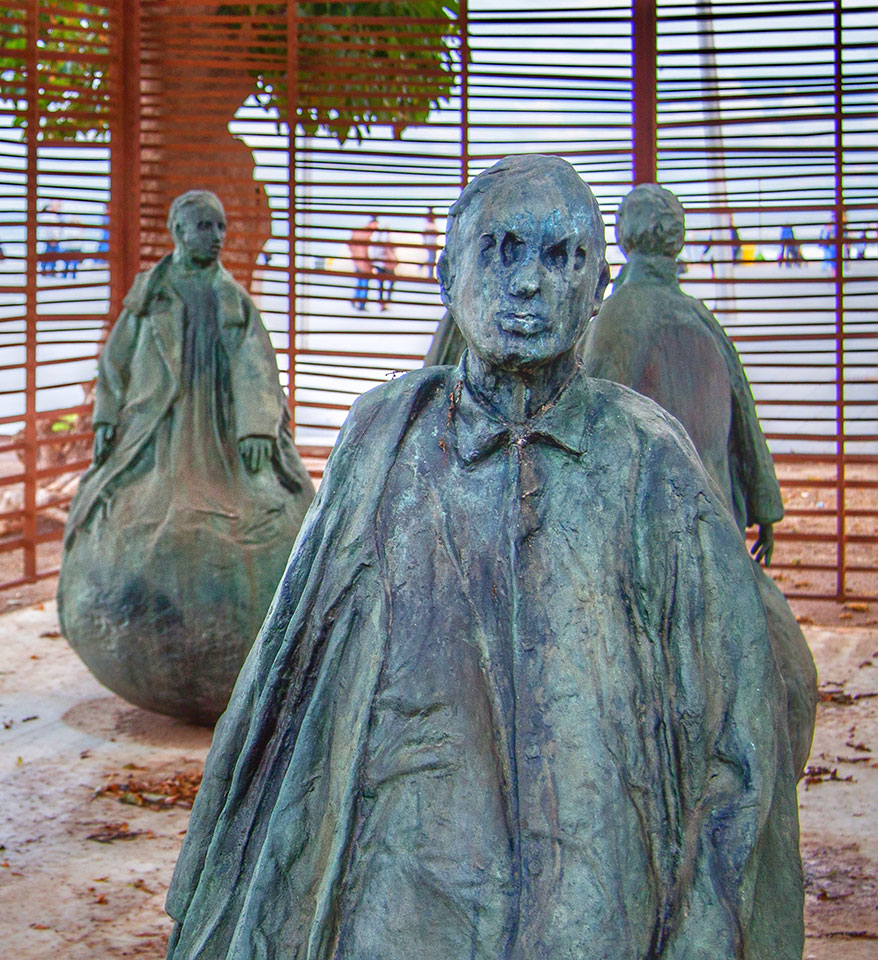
(389, 66)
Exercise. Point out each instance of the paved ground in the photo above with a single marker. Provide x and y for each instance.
(84, 877)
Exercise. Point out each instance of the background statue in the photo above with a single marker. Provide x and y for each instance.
(515, 697)
(180, 530)
(651, 336)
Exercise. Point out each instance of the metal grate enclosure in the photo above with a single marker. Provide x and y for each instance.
(310, 119)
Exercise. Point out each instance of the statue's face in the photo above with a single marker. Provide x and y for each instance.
(525, 276)
(201, 231)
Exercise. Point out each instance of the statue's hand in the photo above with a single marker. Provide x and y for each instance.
(764, 546)
(105, 434)
(255, 452)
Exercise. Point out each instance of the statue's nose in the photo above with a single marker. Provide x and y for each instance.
(525, 280)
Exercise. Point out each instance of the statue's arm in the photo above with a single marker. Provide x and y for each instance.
(750, 461)
(732, 786)
(739, 786)
(257, 397)
(114, 366)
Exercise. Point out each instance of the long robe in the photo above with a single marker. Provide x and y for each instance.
(172, 548)
(652, 337)
(514, 699)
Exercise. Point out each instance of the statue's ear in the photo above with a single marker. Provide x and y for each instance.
(445, 277)
(603, 280)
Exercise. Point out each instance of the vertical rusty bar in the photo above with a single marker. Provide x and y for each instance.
(292, 107)
(644, 40)
(125, 195)
(463, 24)
(30, 310)
(840, 229)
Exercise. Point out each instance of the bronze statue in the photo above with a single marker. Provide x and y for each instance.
(180, 530)
(515, 697)
(651, 336)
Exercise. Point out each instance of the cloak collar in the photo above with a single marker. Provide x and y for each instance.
(480, 431)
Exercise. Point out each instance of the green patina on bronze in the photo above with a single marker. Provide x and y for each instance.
(515, 697)
(181, 529)
(651, 336)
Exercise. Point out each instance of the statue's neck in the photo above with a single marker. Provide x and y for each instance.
(182, 261)
(644, 267)
(517, 396)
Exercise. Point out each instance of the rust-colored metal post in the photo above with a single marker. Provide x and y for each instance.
(125, 195)
(644, 37)
(292, 107)
(840, 227)
(463, 25)
(30, 314)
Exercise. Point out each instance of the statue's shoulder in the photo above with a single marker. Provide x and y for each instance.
(135, 299)
(225, 278)
(401, 396)
(625, 413)
(144, 286)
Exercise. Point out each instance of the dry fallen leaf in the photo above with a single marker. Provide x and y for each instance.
(116, 831)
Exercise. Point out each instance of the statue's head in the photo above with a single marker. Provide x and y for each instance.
(650, 221)
(523, 268)
(197, 223)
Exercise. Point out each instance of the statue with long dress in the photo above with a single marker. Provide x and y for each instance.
(651, 336)
(181, 528)
(515, 696)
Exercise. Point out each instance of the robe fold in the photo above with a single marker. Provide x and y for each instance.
(514, 698)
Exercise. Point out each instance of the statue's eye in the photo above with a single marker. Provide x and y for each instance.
(578, 258)
(487, 242)
(511, 249)
(556, 255)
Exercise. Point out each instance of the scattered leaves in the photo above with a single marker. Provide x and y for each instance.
(116, 831)
(824, 774)
(39, 926)
(28, 719)
(857, 607)
(178, 790)
(51, 634)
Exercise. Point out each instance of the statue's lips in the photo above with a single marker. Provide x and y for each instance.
(523, 324)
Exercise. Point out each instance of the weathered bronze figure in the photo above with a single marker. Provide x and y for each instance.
(515, 696)
(651, 336)
(180, 530)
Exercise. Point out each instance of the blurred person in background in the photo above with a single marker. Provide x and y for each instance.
(359, 248)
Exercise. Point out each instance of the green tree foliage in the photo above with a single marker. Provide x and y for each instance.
(73, 46)
(388, 66)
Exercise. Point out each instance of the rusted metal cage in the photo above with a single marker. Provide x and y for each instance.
(760, 117)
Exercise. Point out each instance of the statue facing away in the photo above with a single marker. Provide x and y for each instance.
(515, 696)
(180, 530)
(651, 336)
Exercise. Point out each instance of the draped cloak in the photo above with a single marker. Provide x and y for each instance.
(514, 698)
(652, 337)
(172, 548)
